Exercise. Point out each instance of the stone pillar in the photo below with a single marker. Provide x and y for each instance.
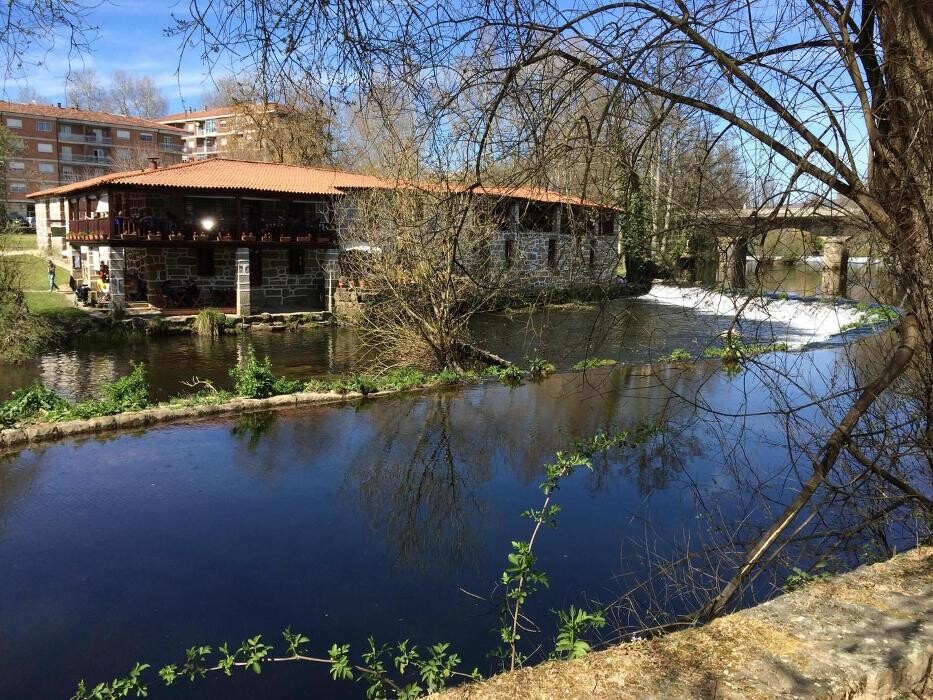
(835, 277)
(243, 289)
(733, 250)
(117, 271)
(331, 272)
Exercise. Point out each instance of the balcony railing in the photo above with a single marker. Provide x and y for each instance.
(84, 138)
(172, 147)
(90, 229)
(146, 233)
(93, 160)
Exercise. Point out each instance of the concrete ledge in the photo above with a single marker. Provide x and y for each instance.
(866, 634)
(44, 432)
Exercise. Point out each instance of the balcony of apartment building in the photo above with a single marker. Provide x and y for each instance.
(93, 138)
(85, 159)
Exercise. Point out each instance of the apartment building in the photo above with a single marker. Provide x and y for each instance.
(57, 145)
(220, 131)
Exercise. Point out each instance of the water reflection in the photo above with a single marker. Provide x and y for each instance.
(356, 520)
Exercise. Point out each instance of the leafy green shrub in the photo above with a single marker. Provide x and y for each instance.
(402, 378)
(679, 355)
(253, 379)
(591, 362)
(445, 376)
(539, 367)
(798, 578)
(283, 385)
(734, 349)
(362, 384)
(32, 402)
(128, 393)
(511, 375)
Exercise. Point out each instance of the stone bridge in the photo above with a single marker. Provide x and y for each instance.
(835, 224)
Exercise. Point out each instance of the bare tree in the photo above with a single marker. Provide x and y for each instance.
(85, 90)
(30, 30)
(136, 96)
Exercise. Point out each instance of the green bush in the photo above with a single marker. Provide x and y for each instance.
(511, 375)
(591, 362)
(679, 355)
(869, 315)
(128, 393)
(539, 367)
(32, 402)
(253, 379)
(283, 385)
(402, 378)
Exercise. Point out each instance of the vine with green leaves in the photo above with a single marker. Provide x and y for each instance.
(404, 670)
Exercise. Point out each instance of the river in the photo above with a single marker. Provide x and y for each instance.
(390, 516)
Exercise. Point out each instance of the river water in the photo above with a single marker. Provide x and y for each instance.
(632, 330)
(389, 517)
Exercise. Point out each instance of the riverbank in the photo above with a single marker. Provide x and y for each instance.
(864, 634)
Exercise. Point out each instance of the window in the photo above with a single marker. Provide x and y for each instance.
(551, 253)
(223, 140)
(14, 123)
(167, 141)
(509, 250)
(17, 165)
(18, 187)
(44, 147)
(43, 126)
(145, 137)
(296, 261)
(209, 126)
(46, 168)
(123, 134)
(255, 267)
(206, 262)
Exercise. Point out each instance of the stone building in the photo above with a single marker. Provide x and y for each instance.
(249, 237)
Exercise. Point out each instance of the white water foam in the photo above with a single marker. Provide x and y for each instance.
(764, 319)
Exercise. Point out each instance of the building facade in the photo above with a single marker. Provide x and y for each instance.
(216, 132)
(61, 145)
(250, 237)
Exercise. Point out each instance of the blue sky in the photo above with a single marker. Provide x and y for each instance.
(130, 37)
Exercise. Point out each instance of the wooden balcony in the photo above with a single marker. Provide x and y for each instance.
(103, 231)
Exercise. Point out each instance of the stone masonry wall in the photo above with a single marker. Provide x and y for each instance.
(280, 290)
(529, 259)
(178, 265)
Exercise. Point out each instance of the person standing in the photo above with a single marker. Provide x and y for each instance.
(51, 276)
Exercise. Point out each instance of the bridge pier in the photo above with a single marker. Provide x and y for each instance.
(732, 251)
(835, 277)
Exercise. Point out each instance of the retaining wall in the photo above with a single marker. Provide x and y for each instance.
(867, 634)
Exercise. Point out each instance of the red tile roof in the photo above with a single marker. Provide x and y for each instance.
(83, 115)
(229, 174)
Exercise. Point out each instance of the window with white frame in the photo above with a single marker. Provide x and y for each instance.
(17, 165)
(43, 126)
(46, 168)
(123, 134)
(18, 187)
(14, 123)
(44, 147)
(145, 137)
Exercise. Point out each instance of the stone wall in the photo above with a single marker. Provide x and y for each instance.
(178, 265)
(572, 264)
(867, 634)
(282, 291)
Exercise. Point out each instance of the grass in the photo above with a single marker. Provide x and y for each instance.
(34, 271)
(18, 241)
